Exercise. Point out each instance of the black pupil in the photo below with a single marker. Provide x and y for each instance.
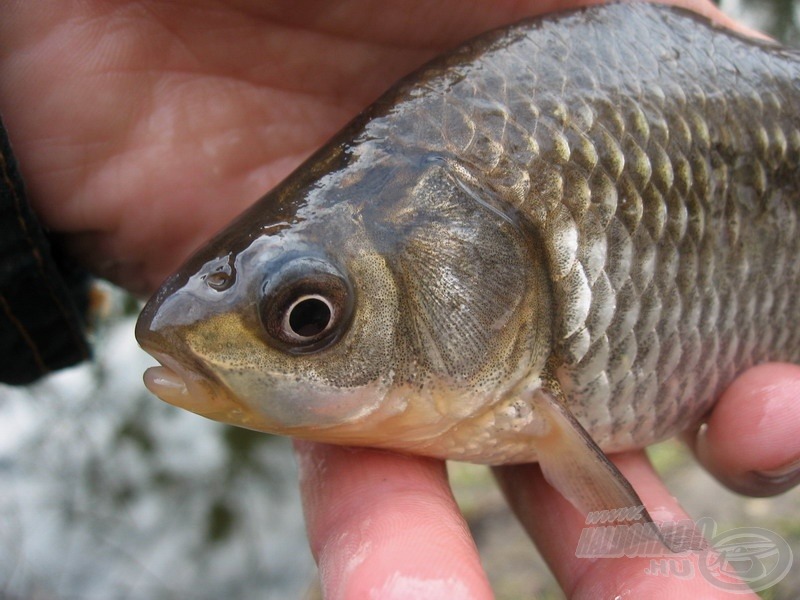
(309, 317)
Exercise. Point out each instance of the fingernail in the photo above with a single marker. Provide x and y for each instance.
(781, 478)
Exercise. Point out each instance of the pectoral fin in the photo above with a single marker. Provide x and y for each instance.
(575, 465)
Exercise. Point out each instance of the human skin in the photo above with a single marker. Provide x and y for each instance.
(143, 127)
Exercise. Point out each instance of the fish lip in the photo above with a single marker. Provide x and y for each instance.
(175, 384)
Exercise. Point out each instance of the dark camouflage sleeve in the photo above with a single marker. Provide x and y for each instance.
(44, 296)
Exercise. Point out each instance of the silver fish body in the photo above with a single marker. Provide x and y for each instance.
(604, 201)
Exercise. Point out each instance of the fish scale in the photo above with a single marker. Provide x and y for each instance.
(682, 187)
(601, 206)
(564, 238)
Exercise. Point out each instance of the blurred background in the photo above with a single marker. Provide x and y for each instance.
(108, 493)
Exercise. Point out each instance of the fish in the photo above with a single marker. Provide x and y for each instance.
(562, 239)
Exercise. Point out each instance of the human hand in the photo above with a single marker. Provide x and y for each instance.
(143, 127)
(383, 525)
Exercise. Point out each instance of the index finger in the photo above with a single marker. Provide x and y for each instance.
(385, 525)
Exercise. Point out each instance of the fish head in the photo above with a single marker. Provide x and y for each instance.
(375, 304)
(283, 321)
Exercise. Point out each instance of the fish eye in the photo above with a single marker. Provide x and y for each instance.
(308, 316)
(306, 306)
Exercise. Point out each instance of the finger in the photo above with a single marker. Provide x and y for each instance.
(711, 11)
(750, 441)
(383, 525)
(556, 528)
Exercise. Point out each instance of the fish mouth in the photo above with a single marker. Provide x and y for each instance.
(175, 384)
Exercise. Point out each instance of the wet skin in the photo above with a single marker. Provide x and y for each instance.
(124, 196)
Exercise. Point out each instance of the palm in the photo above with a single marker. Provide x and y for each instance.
(144, 127)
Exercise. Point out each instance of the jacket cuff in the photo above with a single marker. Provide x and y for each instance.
(44, 295)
